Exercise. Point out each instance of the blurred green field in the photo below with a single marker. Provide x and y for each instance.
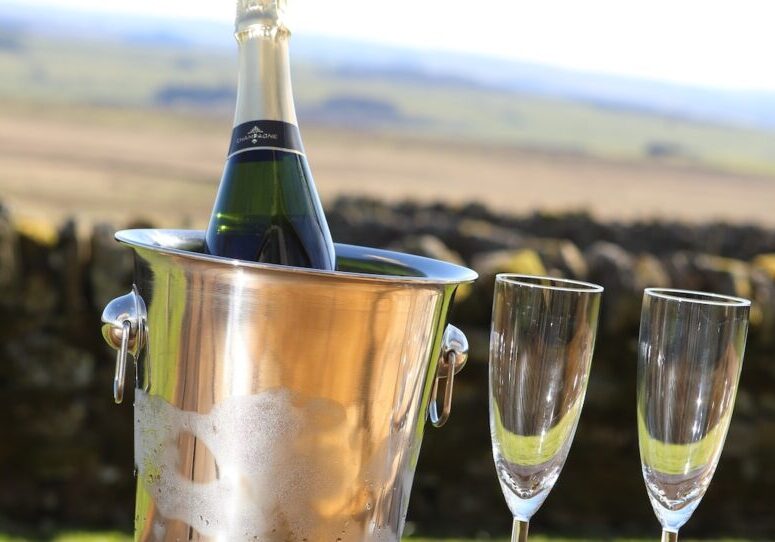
(142, 75)
(118, 537)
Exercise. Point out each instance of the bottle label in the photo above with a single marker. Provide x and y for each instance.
(265, 134)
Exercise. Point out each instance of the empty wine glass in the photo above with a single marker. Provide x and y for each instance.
(543, 334)
(689, 358)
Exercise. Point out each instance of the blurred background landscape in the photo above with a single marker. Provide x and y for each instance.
(110, 119)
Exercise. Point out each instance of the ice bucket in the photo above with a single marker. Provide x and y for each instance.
(280, 404)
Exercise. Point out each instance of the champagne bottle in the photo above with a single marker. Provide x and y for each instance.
(267, 208)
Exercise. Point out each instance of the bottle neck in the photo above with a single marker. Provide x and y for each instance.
(264, 90)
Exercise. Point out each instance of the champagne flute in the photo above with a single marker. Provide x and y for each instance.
(689, 359)
(541, 343)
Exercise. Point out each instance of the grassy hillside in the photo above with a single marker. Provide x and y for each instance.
(182, 76)
(117, 537)
(115, 164)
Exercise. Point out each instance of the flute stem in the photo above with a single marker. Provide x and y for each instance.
(669, 536)
(519, 531)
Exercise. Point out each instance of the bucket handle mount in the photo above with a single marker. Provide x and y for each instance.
(454, 354)
(123, 328)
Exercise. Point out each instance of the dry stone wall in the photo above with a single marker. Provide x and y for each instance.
(66, 451)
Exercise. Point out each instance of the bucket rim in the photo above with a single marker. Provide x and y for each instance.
(427, 271)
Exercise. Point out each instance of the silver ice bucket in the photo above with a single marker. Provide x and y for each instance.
(281, 404)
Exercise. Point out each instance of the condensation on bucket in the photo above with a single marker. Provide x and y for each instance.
(278, 462)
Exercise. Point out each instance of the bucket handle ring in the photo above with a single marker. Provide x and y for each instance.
(123, 328)
(454, 354)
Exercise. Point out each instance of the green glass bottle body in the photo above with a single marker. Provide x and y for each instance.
(267, 208)
(267, 211)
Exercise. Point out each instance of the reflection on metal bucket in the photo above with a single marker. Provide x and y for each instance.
(281, 404)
